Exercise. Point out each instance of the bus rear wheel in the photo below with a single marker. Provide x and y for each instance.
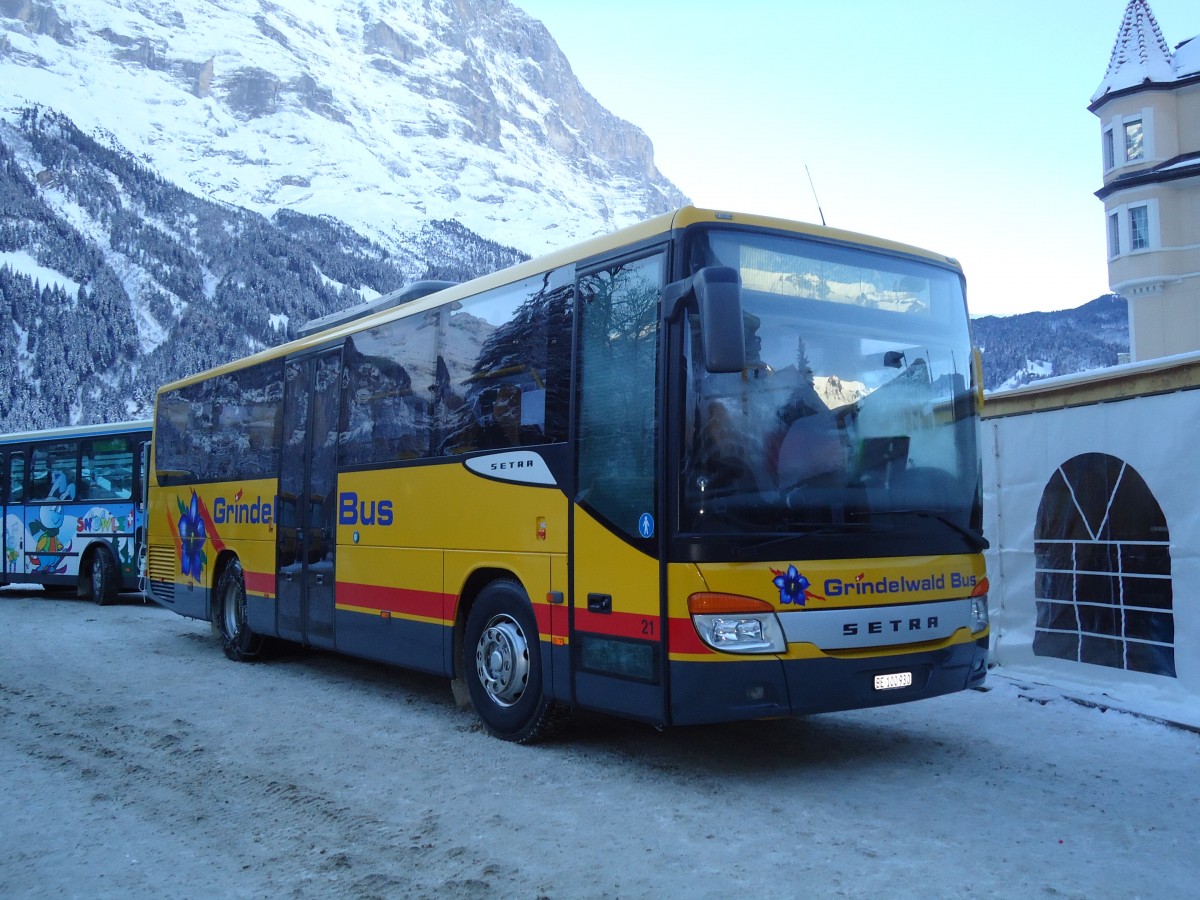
(229, 616)
(503, 667)
(102, 577)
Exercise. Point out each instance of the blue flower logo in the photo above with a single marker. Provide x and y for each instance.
(192, 537)
(793, 587)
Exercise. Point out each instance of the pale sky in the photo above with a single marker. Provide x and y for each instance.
(961, 127)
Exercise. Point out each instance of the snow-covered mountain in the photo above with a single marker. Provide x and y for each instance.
(382, 113)
(185, 182)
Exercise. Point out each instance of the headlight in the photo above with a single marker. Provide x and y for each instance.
(979, 613)
(736, 624)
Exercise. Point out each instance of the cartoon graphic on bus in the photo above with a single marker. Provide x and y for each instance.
(14, 528)
(71, 500)
(50, 553)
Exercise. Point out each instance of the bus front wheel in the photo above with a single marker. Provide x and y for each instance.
(102, 577)
(229, 616)
(503, 667)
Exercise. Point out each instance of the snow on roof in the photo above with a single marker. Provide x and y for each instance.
(1140, 53)
(1186, 59)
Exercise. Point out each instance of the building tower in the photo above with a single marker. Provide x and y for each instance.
(1149, 110)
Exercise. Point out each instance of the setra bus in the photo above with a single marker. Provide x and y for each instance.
(710, 467)
(73, 508)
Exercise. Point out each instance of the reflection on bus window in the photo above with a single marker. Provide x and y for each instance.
(513, 390)
(16, 478)
(384, 417)
(107, 471)
(618, 429)
(54, 472)
(229, 425)
(490, 373)
(854, 408)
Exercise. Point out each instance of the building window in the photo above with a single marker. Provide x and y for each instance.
(1134, 146)
(1114, 235)
(1139, 228)
(1110, 153)
(1103, 569)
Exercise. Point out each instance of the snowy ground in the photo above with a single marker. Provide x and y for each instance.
(137, 762)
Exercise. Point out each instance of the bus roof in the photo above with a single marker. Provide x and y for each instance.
(73, 431)
(659, 225)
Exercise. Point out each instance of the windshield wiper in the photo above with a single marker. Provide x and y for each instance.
(977, 540)
(801, 530)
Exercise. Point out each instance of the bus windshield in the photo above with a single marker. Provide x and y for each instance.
(855, 413)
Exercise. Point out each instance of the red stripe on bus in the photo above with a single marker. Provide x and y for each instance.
(541, 614)
(684, 638)
(405, 601)
(259, 582)
(617, 624)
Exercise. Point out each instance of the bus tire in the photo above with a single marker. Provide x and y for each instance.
(229, 616)
(102, 576)
(502, 665)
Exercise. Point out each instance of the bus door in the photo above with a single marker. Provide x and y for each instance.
(617, 641)
(142, 482)
(13, 553)
(13, 501)
(308, 499)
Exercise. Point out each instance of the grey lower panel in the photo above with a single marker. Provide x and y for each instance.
(876, 626)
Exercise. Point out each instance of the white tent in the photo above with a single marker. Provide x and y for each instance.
(1092, 508)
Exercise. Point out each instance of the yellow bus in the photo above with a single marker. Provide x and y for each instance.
(710, 467)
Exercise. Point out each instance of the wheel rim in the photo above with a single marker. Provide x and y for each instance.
(231, 610)
(502, 660)
(97, 577)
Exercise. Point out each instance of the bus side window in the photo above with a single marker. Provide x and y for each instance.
(54, 470)
(39, 476)
(16, 478)
(515, 391)
(107, 469)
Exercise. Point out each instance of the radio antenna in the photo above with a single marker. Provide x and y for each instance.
(816, 199)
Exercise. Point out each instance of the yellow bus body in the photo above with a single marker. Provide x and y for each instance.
(417, 542)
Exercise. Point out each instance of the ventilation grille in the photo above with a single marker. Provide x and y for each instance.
(161, 564)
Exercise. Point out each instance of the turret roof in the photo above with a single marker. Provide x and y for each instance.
(1140, 54)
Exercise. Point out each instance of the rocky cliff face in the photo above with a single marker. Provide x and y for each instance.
(37, 17)
(384, 114)
(183, 182)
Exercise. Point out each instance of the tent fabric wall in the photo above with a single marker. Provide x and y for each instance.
(1109, 418)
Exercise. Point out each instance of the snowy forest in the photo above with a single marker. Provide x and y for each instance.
(1023, 348)
(168, 283)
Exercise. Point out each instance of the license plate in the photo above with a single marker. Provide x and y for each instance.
(893, 681)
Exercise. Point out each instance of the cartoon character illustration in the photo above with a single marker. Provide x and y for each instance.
(60, 487)
(13, 530)
(49, 551)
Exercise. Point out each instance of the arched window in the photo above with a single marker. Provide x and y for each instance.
(1103, 578)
